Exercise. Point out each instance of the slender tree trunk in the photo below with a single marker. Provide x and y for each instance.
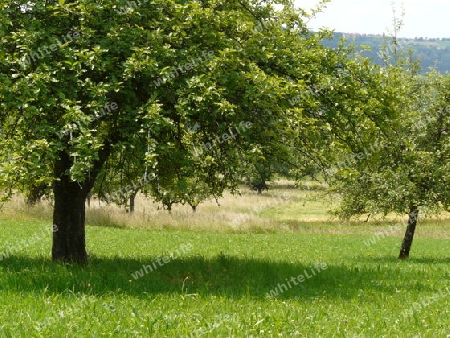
(132, 201)
(69, 243)
(409, 234)
(169, 207)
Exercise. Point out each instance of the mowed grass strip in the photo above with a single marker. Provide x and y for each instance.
(219, 285)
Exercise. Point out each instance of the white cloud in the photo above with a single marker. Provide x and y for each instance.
(426, 18)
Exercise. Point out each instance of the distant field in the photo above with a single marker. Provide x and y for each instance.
(208, 275)
(281, 209)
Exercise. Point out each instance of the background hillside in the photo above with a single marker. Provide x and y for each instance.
(431, 52)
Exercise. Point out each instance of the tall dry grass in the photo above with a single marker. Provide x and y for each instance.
(241, 213)
(284, 208)
(232, 213)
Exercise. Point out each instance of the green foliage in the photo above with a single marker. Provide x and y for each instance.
(258, 176)
(410, 165)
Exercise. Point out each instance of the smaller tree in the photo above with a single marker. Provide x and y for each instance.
(36, 192)
(409, 170)
(258, 176)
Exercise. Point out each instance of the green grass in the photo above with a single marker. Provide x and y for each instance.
(219, 285)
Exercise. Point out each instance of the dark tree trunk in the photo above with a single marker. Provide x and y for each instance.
(132, 201)
(35, 194)
(32, 199)
(168, 206)
(88, 199)
(259, 189)
(409, 234)
(69, 243)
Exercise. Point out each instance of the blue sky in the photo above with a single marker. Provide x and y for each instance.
(423, 18)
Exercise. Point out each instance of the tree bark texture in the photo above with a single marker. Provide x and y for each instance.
(409, 234)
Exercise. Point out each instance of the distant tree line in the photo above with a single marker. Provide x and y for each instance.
(430, 52)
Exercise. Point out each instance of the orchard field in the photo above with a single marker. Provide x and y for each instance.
(161, 110)
(213, 276)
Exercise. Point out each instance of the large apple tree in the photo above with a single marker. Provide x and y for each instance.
(90, 89)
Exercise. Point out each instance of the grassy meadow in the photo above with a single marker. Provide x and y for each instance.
(274, 265)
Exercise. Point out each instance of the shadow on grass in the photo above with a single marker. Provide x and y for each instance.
(225, 276)
(411, 260)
